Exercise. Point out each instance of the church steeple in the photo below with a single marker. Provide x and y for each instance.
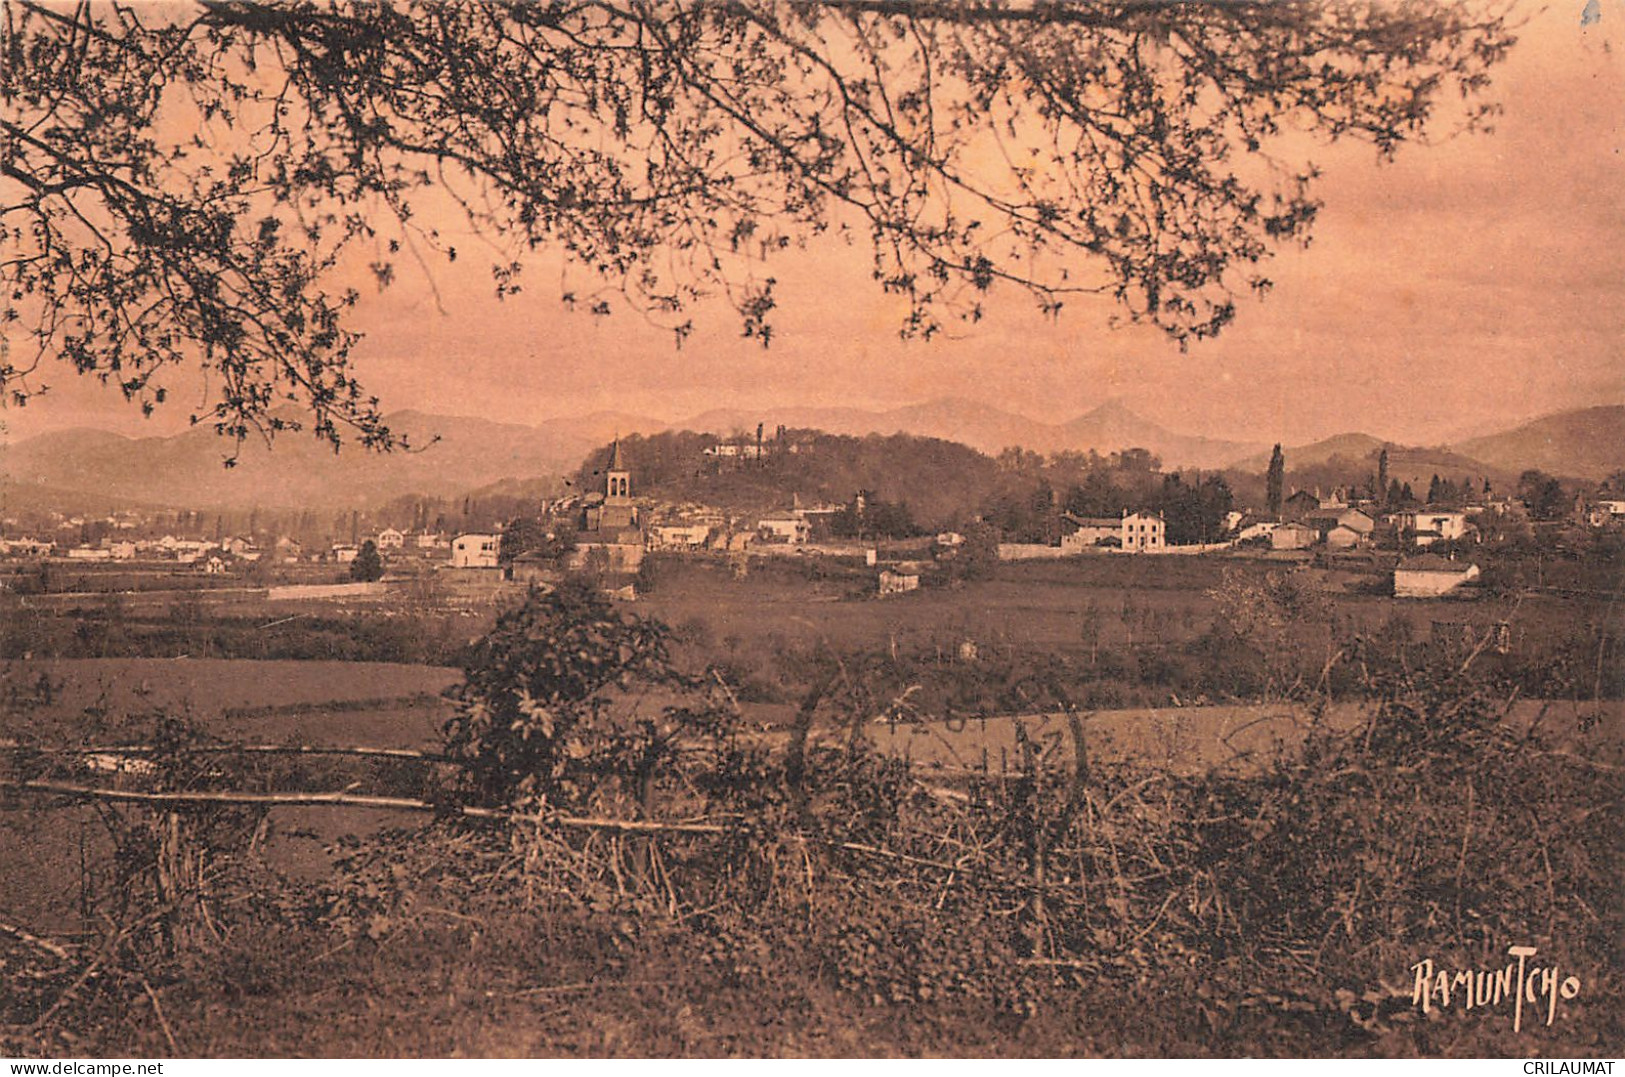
(617, 479)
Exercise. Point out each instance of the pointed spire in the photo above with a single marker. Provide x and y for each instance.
(615, 455)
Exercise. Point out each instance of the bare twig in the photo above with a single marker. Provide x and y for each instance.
(163, 1022)
(56, 950)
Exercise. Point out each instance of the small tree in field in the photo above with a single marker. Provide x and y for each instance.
(552, 707)
(368, 565)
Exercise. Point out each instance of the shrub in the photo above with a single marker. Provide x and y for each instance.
(549, 708)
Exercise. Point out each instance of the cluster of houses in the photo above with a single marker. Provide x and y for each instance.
(199, 552)
(1140, 532)
(214, 556)
(614, 532)
(1309, 520)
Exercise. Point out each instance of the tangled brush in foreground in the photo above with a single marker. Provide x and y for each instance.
(1277, 911)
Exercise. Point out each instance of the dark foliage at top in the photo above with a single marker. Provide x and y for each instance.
(180, 182)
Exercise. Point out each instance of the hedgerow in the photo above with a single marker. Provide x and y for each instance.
(630, 818)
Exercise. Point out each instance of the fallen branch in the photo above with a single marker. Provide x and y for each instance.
(1057, 963)
(163, 1022)
(356, 800)
(590, 985)
(235, 749)
(56, 950)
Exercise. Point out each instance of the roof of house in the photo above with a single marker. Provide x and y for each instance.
(1432, 562)
(1092, 521)
(619, 536)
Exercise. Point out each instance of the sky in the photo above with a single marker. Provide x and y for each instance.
(1461, 289)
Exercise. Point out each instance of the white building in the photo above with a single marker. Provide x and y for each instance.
(896, 583)
(680, 536)
(475, 551)
(745, 451)
(791, 527)
(1427, 526)
(1429, 576)
(1143, 532)
(1606, 512)
(389, 539)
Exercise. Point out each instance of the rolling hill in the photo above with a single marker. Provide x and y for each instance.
(1585, 444)
(1352, 447)
(1109, 428)
(453, 455)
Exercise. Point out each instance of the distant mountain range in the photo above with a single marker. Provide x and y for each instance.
(1587, 444)
(454, 455)
(1109, 428)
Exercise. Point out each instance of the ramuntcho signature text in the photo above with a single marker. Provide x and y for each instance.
(1520, 983)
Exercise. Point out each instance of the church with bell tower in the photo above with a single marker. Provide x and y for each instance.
(610, 520)
(612, 510)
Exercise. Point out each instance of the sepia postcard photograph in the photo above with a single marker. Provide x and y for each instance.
(778, 529)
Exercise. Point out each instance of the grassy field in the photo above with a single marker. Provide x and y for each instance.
(1126, 600)
(872, 957)
(240, 701)
(1196, 739)
(235, 690)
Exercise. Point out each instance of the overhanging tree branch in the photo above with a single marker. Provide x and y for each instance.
(227, 156)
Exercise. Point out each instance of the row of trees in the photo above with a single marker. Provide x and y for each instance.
(1193, 511)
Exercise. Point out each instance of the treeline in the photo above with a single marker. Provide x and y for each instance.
(939, 482)
(1193, 510)
(913, 485)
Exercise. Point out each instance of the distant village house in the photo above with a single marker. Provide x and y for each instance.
(475, 551)
(896, 582)
(791, 527)
(1425, 527)
(1430, 576)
